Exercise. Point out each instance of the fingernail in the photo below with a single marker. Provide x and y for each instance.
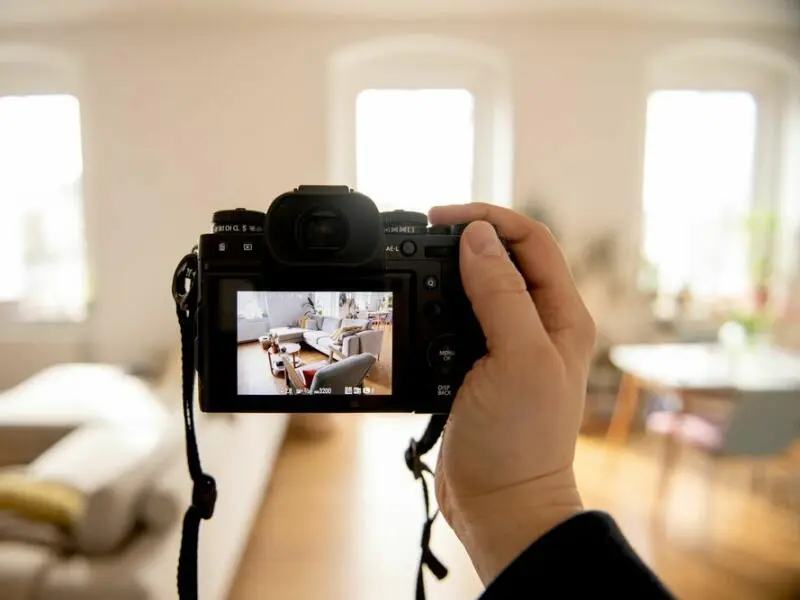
(482, 239)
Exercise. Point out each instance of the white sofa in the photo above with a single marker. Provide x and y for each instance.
(318, 336)
(57, 407)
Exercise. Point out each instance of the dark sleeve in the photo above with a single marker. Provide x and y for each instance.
(584, 557)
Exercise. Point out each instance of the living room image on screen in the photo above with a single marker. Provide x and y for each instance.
(337, 343)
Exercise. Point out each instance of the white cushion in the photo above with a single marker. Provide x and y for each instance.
(14, 528)
(159, 508)
(114, 467)
(313, 336)
(79, 393)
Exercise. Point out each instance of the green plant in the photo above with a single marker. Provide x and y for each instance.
(309, 308)
(762, 228)
(754, 323)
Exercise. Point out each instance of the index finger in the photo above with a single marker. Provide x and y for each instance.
(541, 261)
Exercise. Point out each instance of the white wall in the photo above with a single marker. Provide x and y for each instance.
(285, 308)
(182, 120)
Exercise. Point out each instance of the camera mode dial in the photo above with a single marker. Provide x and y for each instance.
(405, 222)
(239, 220)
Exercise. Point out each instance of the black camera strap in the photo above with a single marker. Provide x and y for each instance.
(204, 487)
(414, 453)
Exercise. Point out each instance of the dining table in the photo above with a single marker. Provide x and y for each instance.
(693, 371)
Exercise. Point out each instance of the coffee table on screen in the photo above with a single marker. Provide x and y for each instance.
(292, 350)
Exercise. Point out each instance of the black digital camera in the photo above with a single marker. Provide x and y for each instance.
(324, 304)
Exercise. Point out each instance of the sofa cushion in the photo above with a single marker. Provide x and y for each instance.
(158, 508)
(344, 331)
(330, 324)
(113, 466)
(41, 500)
(313, 337)
(15, 528)
(324, 343)
(80, 393)
(308, 323)
(358, 323)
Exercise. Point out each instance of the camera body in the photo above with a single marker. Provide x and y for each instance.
(324, 304)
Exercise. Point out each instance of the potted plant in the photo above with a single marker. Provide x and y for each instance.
(309, 308)
(762, 227)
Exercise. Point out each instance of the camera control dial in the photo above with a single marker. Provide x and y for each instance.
(405, 222)
(239, 220)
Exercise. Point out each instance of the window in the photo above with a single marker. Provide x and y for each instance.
(42, 249)
(415, 148)
(252, 306)
(417, 120)
(698, 192)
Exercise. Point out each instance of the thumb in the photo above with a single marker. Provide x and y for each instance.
(497, 291)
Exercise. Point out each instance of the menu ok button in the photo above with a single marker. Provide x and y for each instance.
(442, 354)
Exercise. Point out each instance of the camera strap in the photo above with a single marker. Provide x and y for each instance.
(204, 487)
(414, 453)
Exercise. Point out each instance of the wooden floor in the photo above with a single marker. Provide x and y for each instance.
(255, 377)
(342, 519)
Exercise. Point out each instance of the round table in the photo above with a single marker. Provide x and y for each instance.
(292, 350)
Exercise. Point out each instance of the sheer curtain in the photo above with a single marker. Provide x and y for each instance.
(327, 302)
(42, 249)
(698, 191)
(252, 305)
(415, 148)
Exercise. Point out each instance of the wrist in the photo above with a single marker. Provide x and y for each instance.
(496, 529)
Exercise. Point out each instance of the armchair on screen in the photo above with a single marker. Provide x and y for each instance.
(348, 372)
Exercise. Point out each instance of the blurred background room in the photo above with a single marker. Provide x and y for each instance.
(659, 140)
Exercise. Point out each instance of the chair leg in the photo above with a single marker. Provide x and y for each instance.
(624, 410)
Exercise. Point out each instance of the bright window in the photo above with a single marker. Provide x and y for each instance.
(415, 148)
(42, 247)
(698, 192)
(252, 306)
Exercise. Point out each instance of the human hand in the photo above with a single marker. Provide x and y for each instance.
(504, 476)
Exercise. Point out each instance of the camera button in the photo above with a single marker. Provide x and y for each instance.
(431, 283)
(408, 248)
(433, 309)
(443, 354)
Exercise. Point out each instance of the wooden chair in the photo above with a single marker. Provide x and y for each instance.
(759, 426)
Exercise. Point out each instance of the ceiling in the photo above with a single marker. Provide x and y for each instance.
(761, 12)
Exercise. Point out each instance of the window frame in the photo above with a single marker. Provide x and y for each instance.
(417, 63)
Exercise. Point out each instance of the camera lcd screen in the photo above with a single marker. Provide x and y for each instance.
(319, 342)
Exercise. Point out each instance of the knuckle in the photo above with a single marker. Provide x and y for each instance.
(586, 332)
